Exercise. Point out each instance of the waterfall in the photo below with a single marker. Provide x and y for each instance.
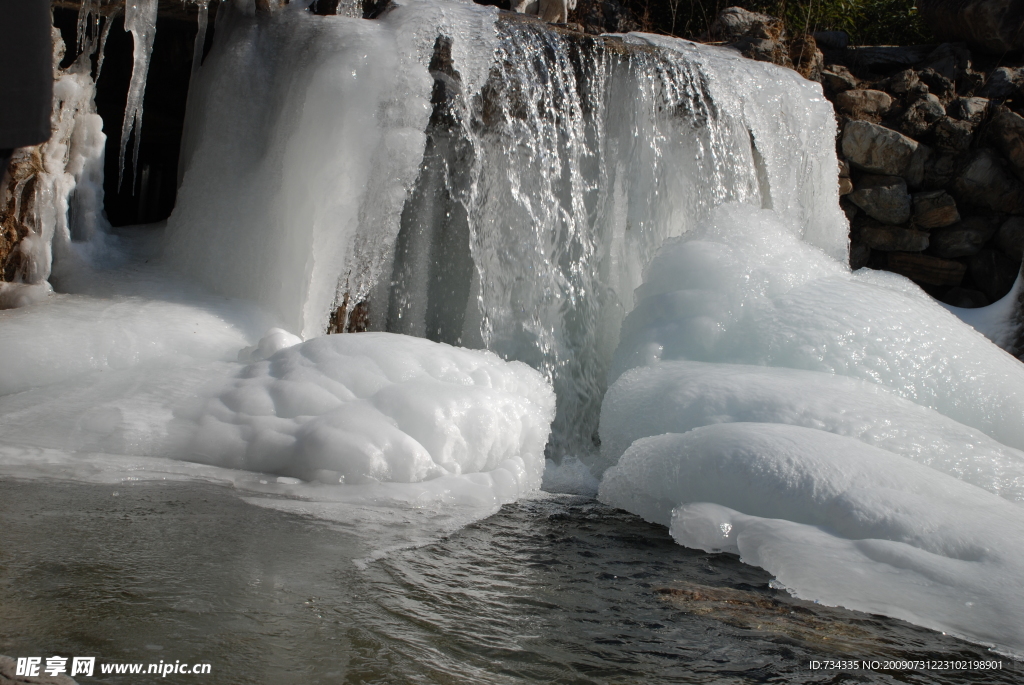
(494, 184)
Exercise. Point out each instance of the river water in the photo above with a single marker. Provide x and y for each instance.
(557, 588)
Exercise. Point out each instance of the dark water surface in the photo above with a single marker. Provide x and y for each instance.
(554, 590)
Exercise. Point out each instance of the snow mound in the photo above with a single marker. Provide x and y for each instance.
(377, 407)
(674, 397)
(837, 521)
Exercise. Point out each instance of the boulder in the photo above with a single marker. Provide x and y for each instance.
(952, 134)
(734, 23)
(878, 149)
(992, 26)
(926, 269)
(940, 167)
(993, 272)
(986, 182)
(934, 209)
(9, 669)
(901, 83)
(1010, 238)
(883, 198)
(864, 104)
(947, 61)
(938, 84)
(969, 109)
(890, 238)
(1007, 131)
(1003, 83)
(838, 78)
(962, 239)
(921, 114)
(966, 298)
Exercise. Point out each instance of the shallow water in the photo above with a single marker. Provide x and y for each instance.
(553, 589)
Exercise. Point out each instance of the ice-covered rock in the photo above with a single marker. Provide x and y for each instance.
(379, 407)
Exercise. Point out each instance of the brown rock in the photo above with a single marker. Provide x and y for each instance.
(807, 59)
(934, 209)
(925, 269)
(987, 183)
(952, 134)
(883, 198)
(864, 104)
(890, 238)
(1010, 238)
(845, 186)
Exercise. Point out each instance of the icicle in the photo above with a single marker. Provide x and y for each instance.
(101, 51)
(197, 50)
(140, 19)
(89, 9)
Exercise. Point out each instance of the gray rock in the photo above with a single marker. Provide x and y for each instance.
(952, 134)
(940, 168)
(987, 183)
(938, 84)
(969, 109)
(934, 209)
(864, 104)
(849, 209)
(926, 269)
(838, 78)
(890, 238)
(9, 666)
(993, 272)
(1007, 129)
(966, 298)
(920, 115)
(989, 25)
(733, 23)
(859, 255)
(878, 149)
(901, 83)
(1010, 238)
(1003, 83)
(962, 239)
(884, 198)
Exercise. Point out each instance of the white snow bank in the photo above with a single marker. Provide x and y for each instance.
(837, 521)
(379, 407)
(750, 292)
(675, 397)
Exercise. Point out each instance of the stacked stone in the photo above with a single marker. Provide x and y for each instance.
(932, 167)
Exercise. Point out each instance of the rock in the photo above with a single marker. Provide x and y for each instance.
(883, 198)
(1003, 83)
(1007, 130)
(1010, 238)
(934, 209)
(952, 134)
(884, 59)
(877, 149)
(864, 104)
(969, 109)
(849, 209)
(890, 238)
(734, 23)
(9, 666)
(940, 167)
(962, 239)
(921, 114)
(985, 182)
(844, 169)
(859, 255)
(993, 272)
(806, 57)
(901, 83)
(938, 84)
(966, 298)
(925, 269)
(845, 186)
(838, 78)
(992, 26)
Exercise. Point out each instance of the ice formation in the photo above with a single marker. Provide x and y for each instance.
(842, 430)
(837, 521)
(140, 19)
